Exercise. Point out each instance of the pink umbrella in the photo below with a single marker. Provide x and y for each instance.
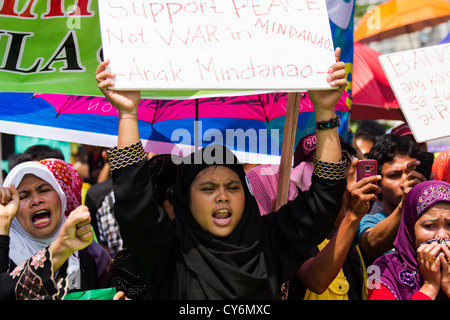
(262, 107)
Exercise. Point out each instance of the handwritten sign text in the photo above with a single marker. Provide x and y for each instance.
(420, 80)
(211, 44)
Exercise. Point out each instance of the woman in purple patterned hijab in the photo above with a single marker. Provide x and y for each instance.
(420, 268)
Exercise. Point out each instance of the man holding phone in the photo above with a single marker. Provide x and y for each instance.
(397, 157)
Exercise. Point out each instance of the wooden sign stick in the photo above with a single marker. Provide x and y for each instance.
(287, 148)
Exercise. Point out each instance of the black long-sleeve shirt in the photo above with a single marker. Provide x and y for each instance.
(149, 233)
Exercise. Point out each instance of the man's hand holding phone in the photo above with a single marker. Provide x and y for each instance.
(362, 187)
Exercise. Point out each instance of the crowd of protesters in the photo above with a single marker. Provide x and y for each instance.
(153, 229)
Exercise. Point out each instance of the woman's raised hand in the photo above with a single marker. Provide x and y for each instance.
(123, 101)
(75, 234)
(9, 204)
(327, 99)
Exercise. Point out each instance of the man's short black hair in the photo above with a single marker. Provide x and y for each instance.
(369, 130)
(36, 153)
(388, 146)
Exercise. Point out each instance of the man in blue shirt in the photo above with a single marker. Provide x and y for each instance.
(397, 158)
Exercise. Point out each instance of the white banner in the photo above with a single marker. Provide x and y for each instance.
(283, 45)
(420, 80)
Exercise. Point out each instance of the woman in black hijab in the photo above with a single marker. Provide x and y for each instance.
(220, 247)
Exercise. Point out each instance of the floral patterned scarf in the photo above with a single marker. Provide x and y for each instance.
(69, 180)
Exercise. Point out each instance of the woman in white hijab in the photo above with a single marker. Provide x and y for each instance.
(42, 221)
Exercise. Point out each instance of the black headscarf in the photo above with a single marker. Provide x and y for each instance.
(163, 172)
(226, 268)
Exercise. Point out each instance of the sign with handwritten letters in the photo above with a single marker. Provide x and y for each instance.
(420, 80)
(277, 45)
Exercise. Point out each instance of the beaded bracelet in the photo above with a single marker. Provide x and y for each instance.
(332, 123)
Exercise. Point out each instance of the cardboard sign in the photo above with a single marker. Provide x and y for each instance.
(420, 80)
(279, 45)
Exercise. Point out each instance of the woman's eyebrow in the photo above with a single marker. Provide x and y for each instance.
(24, 191)
(43, 185)
(430, 219)
(215, 183)
(207, 183)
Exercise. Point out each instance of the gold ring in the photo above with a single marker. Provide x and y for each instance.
(430, 260)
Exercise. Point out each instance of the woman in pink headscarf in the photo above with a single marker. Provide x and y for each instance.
(44, 231)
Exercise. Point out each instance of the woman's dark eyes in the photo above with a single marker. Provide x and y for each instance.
(428, 226)
(24, 195)
(211, 189)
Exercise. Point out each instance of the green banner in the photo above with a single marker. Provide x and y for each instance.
(49, 46)
(98, 294)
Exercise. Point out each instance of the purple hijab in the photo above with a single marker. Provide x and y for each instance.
(400, 270)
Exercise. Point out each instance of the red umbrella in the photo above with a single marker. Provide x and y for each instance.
(372, 95)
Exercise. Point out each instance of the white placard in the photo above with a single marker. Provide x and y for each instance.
(420, 80)
(280, 45)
